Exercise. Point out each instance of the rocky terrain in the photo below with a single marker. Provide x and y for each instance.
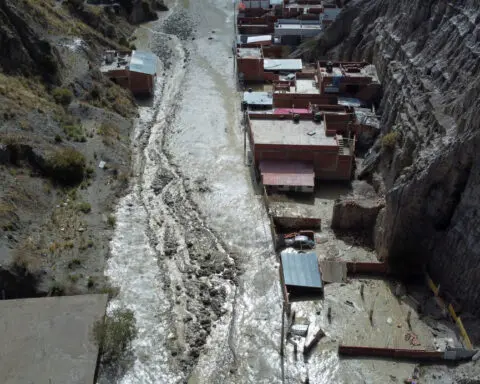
(64, 146)
(427, 56)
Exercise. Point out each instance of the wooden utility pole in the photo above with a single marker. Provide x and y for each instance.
(282, 341)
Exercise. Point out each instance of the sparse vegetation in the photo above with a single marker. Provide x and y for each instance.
(62, 96)
(90, 282)
(75, 132)
(74, 263)
(56, 289)
(73, 277)
(84, 207)
(111, 220)
(390, 140)
(115, 333)
(109, 130)
(66, 165)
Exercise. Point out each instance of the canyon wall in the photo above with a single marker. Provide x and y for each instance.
(427, 56)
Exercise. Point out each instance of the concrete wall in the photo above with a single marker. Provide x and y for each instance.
(298, 100)
(327, 163)
(252, 68)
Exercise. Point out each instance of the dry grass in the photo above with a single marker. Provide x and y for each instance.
(28, 257)
(25, 94)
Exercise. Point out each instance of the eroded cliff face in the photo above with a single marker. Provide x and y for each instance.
(427, 55)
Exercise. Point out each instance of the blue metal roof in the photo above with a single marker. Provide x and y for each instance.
(143, 62)
(301, 269)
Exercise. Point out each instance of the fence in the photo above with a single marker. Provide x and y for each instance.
(449, 308)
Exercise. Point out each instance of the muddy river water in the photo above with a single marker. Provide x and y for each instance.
(192, 251)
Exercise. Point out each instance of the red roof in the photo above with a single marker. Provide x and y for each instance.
(292, 173)
(286, 111)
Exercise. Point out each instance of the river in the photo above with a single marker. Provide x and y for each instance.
(192, 251)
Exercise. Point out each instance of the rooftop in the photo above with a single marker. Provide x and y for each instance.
(258, 98)
(114, 60)
(301, 270)
(249, 53)
(136, 61)
(282, 65)
(143, 62)
(296, 5)
(287, 173)
(285, 131)
(49, 340)
(350, 71)
(308, 86)
(298, 26)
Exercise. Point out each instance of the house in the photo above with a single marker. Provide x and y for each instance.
(294, 31)
(134, 70)
(353, 79)
(300, 145)
(257, 100)
(253, 66)
(302, 279)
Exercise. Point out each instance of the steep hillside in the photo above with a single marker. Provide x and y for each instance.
(59, 119)
(427, 55)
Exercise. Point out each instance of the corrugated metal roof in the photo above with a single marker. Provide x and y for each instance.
(282, 64)
(291, 173)
(258, 98)
(301, 270)
(143, 62)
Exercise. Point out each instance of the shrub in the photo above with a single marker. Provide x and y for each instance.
(115, 333)
(74, 263)
(66, 165)
(123, 41)
(389, 140)
(111, 220)
(62, 96)
(109, 130)
(56, 289)
(84, 207)
(73, 277)
(58, 139)
(75, 132)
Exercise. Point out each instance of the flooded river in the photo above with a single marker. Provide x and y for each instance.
(192, 250)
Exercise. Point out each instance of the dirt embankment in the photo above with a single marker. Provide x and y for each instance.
(64, 147)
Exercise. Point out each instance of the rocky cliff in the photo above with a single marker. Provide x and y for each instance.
(427, 55)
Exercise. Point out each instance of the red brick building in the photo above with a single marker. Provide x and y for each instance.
(136, 71)
(299, 142)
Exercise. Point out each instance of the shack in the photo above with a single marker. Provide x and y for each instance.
(134, 70)
(357, 80)
(301, 276)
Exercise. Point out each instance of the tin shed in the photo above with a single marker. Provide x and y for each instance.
(301, 276)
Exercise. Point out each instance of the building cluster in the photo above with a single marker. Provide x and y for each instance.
(303, 119)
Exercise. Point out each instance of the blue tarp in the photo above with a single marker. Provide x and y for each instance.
(143, 62)
(301, 269)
